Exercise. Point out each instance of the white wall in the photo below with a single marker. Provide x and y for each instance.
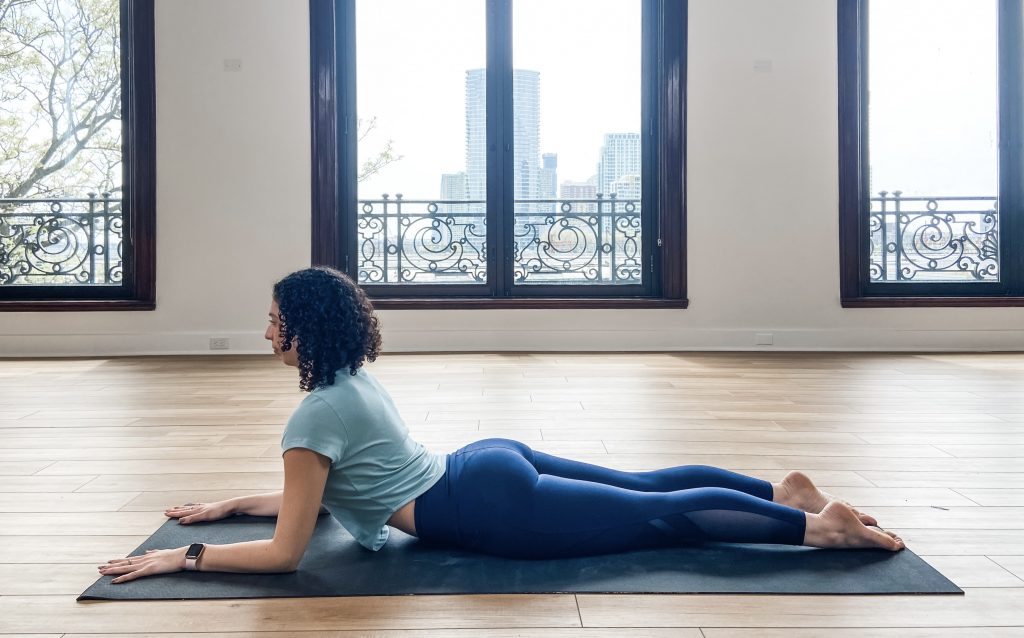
(233, 203)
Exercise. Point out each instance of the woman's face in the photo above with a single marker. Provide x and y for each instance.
(273, 335)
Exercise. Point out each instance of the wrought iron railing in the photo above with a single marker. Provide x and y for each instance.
(557, 241)
(937, 239)
(61, 241)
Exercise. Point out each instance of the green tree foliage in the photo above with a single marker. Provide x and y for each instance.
(60, 98)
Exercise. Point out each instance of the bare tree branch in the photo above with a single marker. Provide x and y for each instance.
(60, 89)
(382, 158)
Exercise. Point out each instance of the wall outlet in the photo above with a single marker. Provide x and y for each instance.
(764, 339)
(220, 343)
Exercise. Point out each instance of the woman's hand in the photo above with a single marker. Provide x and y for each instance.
(197, 512)
(155, 561)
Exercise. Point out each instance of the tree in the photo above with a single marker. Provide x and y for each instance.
(377, 162)
(60, 98)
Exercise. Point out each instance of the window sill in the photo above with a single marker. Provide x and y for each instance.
(517, 303)
(72, 305)
(933, 302)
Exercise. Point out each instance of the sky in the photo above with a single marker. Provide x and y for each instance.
(933, 97)
(932, 71)
(411, 63)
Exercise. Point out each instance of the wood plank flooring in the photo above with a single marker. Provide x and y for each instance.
(92, 450)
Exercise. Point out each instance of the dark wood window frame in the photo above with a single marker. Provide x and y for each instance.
(138, 121)
(333, 155)
(857, 291)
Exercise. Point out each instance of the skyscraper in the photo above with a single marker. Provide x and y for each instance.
(453, 187)
(627, 186)
(525, 139)
(581, 190)
(476, 134)
(549, 175)
(620, 158)
(526, 133)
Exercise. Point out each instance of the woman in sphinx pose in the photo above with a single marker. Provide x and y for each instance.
(346, 448)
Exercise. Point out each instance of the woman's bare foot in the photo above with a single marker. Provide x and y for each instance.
(799, 492)
(838, 526)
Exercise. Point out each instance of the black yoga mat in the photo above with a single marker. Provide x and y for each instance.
(335, 565)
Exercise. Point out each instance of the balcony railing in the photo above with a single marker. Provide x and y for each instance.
(937, 239)
(557, 241)
(61, 241)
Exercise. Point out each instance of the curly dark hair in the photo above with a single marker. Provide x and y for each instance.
(333, 320)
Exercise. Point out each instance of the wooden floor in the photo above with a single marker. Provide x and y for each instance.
(92, 450)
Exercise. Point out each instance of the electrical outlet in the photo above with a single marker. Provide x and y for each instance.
(764, 339)
(220, 343)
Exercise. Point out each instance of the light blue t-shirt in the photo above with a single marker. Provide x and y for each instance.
(375, 466)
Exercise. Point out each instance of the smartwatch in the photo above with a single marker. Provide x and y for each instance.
(195, 550)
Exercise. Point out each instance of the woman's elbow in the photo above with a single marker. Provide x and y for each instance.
(283, 562)
(289, 564)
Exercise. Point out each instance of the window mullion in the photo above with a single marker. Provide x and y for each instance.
(345, 242)
(1011, 144)
(499, 146)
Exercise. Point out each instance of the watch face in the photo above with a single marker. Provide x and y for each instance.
(194, 550)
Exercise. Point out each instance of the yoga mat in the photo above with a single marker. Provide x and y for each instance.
(335, 565)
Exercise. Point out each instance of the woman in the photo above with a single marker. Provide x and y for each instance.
(345, 447)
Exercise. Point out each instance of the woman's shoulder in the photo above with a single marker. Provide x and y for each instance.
(313, 407)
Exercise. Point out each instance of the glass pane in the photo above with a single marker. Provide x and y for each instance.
(422, 159)
(933, 116)
(577, 102)
(60, 143)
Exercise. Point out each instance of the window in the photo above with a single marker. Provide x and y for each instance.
(77, 155)
(501, 152)
(930, 152)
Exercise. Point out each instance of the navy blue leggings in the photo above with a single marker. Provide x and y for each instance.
(499, 497)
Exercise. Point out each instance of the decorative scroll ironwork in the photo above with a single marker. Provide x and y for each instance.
(587, 241)
(61, 241)
(423, 242)
(573, 241)
(934, 238)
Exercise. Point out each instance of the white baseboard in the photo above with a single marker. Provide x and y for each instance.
(395, 341)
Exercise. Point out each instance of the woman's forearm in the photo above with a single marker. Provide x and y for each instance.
(268, 504)
(250, 557)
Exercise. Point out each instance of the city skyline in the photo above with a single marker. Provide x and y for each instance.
(590, 83)
(535, 174)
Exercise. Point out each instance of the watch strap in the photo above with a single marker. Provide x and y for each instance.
(192, 554)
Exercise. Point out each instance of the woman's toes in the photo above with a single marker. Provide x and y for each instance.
(888, 542)
(867, 519)
(895, 537)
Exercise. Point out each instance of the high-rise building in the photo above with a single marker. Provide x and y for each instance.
(525, 140)
(580, 190)
(453, 187)
(476, 134)
(526, 134)
(549, 175)
(627, 187)
(620, 156)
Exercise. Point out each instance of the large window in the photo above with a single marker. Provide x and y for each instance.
(930, 168)
(498, 152)
(76, 155)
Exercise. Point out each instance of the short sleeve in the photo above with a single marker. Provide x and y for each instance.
(316, 426)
